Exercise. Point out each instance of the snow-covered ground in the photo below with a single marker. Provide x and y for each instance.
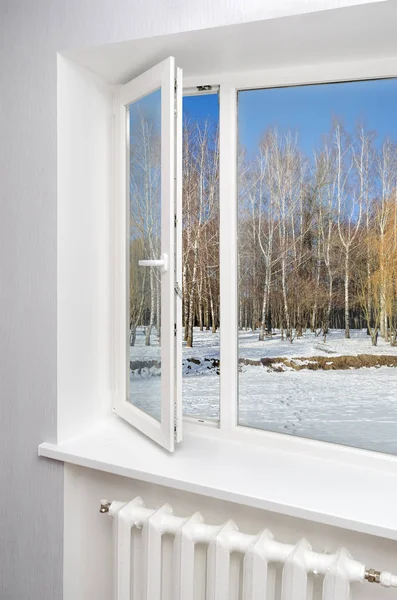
(312, 345)
(356, 407)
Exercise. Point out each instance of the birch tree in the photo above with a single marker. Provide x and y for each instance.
(286, 176)
(145, 223)
(200, 211)
(387, 175)
(349, 207)
(324, 191)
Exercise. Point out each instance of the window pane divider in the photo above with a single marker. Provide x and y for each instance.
(228, 255)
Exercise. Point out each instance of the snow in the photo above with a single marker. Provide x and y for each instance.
(356, 407)
(311, 345)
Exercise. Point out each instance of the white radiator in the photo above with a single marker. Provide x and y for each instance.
(268, 569)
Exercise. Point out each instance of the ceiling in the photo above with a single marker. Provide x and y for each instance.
(361, 32)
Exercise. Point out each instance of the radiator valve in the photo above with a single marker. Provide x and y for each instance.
(105, 505)
(372, 576)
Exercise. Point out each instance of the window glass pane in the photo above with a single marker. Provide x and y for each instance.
(145, 243)
(200, 265)
(317, 220)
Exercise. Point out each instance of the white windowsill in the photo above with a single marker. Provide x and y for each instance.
(325, 491)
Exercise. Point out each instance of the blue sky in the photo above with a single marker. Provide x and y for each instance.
(202, 107)
(148, 107)
(308, 110)
(198, 108)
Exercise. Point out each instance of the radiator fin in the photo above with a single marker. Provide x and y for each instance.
(124, 523)
(294, 581)
(151, 553)
(255, 576)
(184, 545)
(218, 561)
(336, 581)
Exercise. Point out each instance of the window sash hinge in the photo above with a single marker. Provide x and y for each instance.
(175, 97)
(178, 291)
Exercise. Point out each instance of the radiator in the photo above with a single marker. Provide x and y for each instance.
(267, 569)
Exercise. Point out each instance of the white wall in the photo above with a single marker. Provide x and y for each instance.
(84, 250)
(88, 536)
(31, 33)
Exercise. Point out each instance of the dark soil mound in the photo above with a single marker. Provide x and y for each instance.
(314, 363)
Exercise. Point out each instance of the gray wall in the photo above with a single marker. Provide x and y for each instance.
(31, 31)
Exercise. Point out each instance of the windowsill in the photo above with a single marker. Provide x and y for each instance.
(297, 485)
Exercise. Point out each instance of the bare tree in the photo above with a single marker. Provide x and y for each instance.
(200, 212)
(387, 174)
(349, 206)
(364, 158)
(145, 224)
(324, 191)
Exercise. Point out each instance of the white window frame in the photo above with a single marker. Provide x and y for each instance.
(229, 86)
(167, 77)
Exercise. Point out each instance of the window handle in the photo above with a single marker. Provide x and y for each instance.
(161, 262)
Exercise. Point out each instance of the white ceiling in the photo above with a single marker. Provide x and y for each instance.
(366, 31)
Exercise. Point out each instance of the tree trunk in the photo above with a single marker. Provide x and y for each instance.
(369, 301)
(383, 312)
(285, 301)
(158, 309)
(185, 301)
(299, 330)
(240, 314)
(314, 314)
(347, 280)
(265, 302)
(206, 307)
(329, 307)
(200, 304)
(189, 338)
(132, 334)
(152, 309)
(212, 308)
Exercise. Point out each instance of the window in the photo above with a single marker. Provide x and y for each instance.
(200, 263)
(271, 302)
(145, 243)
(317, 262)
(147, 310)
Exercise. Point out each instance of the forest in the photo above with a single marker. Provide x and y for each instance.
(317, 235)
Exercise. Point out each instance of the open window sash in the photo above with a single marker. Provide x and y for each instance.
(148, 253)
